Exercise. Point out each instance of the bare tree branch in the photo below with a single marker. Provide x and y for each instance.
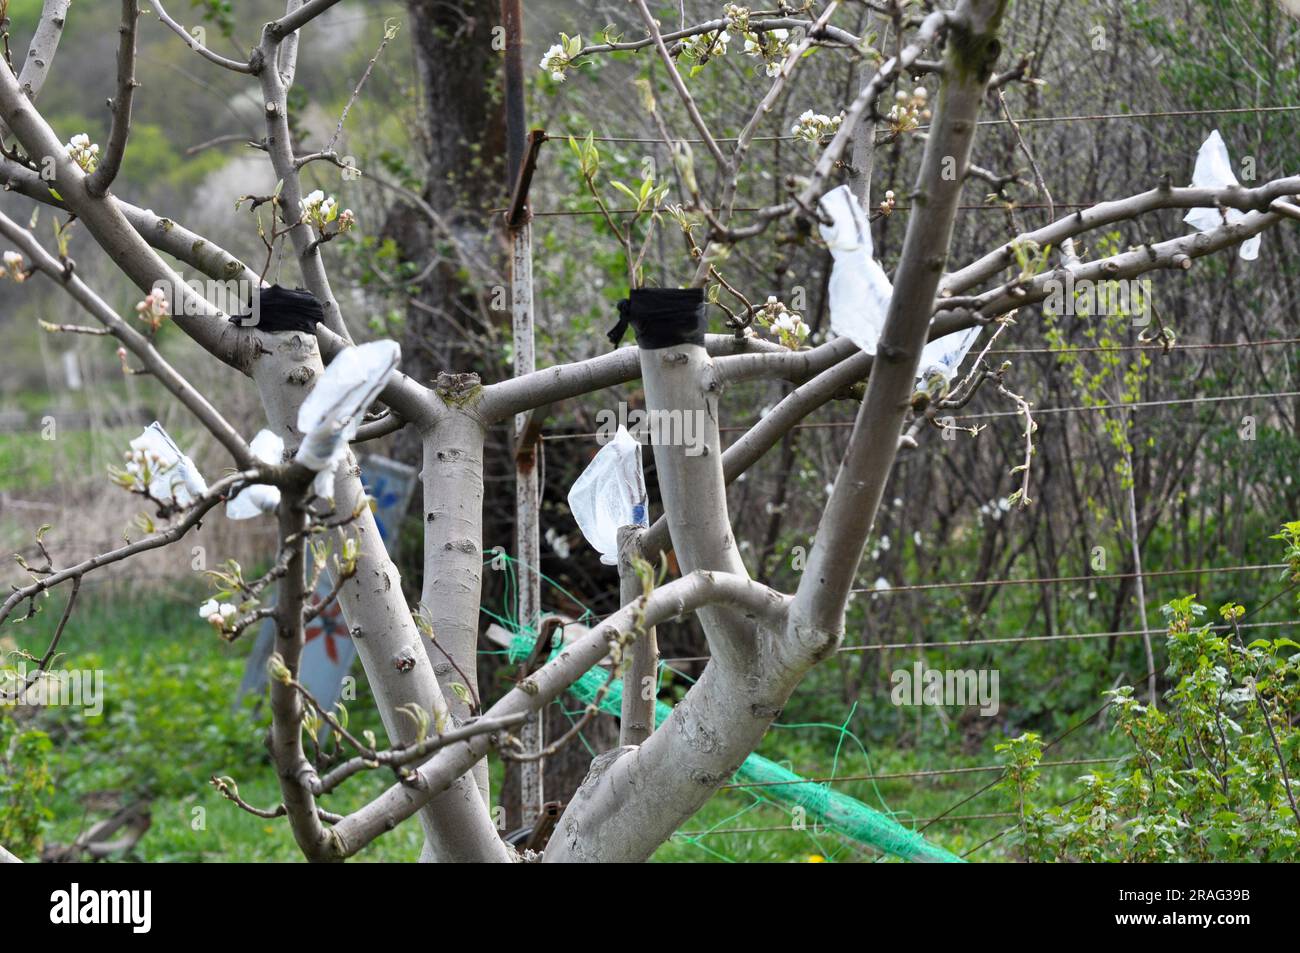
(193, 43)
(45, 42)
(216, 493)
(133, 340)
(99, 180)
(845, 523)
(683, 93)
(674, 599)
(295, 20)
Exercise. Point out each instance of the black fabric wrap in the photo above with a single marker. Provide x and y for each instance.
(283, 309)
(662, 317)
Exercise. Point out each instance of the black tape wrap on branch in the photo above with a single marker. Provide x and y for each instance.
(662, 317)
(282, 309)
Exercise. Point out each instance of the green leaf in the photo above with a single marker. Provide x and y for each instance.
(624, 189)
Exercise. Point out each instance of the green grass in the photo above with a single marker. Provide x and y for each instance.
(30, 463)
(168, 727)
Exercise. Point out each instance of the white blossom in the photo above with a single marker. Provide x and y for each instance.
(14, 267)
(217, 614)
(813, 127)
(558, 59)
(737, 17)
(772, 46)
(909, 109)
(787, 326)
(319, 210)
(83, 152)
(559, 545)
(700, 49)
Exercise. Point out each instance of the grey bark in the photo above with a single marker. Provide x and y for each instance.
(397, 664)
(637, 717)
(842, 532)
(453, 542)
(543, 686)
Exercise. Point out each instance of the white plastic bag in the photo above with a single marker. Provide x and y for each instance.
(172, 475)
(259, 498)
(332, 412)
(944, 355)
(610, 494)
(860, 289)
(1214, 171)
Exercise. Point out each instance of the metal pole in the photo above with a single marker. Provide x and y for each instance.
(513, 22)
(527, 502)
(527, 491)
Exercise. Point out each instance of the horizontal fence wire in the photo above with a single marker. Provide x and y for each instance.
(981, 207)
(951, 818)
(1029, 639)
(1125, 405)
(915, 775)
(1052, 580)
(1027, 121)
(992, 414)
(1102, 348)
(1011, 640)
(1037, 581)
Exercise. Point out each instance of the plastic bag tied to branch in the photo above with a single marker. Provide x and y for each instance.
(1214, 171)
(172, 475)
(260, 497)
(610, 494)
(860, 290)
(333, 411)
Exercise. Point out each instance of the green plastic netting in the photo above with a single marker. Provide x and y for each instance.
(824, 807)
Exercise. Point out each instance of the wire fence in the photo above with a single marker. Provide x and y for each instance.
(985, 415)
(1011, 640)
(1027, 121)
(949, 815)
